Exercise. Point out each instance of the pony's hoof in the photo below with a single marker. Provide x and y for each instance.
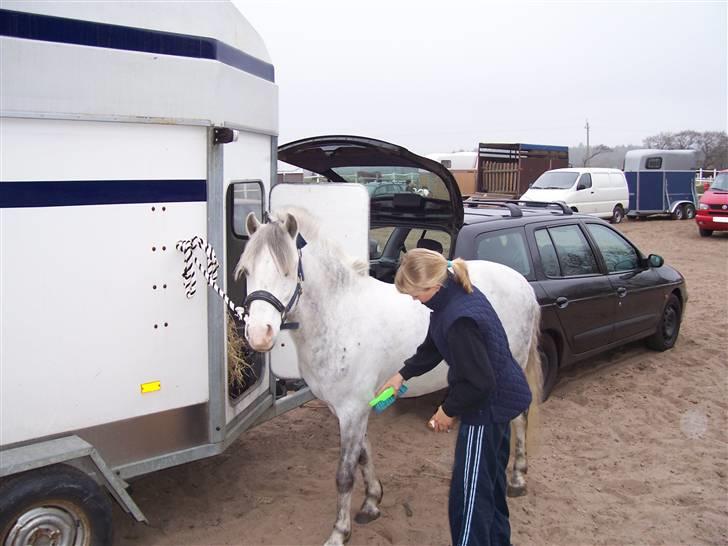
(516, 490)
(365, 517)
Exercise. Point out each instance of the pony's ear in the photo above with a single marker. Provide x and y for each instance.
(251, 223)
(291, 225)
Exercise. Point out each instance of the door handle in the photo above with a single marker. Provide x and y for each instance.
(562, 302)
(621, 291)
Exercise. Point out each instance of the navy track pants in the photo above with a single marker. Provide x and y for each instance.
(478, 509)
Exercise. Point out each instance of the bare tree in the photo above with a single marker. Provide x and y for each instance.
(593, 152)
(712, 144)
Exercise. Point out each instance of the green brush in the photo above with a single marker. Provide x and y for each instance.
(386, 398)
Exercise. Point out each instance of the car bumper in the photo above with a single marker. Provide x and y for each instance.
(713, 222)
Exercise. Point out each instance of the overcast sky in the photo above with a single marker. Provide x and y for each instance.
(438, 76)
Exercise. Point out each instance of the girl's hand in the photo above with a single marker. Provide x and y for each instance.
(395, 382)
(441, 422)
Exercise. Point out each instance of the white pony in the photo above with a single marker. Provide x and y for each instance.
(354, 332)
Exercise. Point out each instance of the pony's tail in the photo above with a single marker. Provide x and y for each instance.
(460, 270)
(534, 376)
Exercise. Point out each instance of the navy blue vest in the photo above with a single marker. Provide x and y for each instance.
(512, 395)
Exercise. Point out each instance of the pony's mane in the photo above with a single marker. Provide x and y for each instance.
(309, 226)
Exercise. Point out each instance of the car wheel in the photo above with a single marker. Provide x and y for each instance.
(689, 212)
(669, 327)
(705, 232)
(617, 215)
(56, 504)
(549, 365)
(679, 213)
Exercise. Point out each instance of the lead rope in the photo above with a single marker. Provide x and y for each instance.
(187, 247)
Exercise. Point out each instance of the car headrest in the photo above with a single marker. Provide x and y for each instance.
(430, 244)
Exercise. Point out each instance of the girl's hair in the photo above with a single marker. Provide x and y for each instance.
(421, 269)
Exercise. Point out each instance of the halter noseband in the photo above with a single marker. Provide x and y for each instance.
(264, 295)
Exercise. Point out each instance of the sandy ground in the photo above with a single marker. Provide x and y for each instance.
(633, 450)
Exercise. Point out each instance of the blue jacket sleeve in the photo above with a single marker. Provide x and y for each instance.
(424, 360)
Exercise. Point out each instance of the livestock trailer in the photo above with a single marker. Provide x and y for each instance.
(661, 182)
(509, 169)
(125, 128)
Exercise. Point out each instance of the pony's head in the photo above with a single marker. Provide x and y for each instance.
(270, 264)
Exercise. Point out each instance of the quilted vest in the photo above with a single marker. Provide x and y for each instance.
(512, 395)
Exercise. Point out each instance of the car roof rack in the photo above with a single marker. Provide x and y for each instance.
(516, 204)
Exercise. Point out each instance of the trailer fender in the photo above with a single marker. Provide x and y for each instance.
(675, 204)
(75, 451)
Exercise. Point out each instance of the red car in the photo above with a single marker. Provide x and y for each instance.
(713, 207)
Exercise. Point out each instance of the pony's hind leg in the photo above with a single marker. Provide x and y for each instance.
(517, 483)
(370, 508)
(352, 431)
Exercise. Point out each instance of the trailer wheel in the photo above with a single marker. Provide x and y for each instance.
(617, 215)
(56, 504)
(689, 212)
(679, 213)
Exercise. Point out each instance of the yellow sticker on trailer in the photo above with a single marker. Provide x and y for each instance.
(151, 386)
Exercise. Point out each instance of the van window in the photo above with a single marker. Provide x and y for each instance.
(653, 163)
(447, 163)
(555, 180)
(585, 181)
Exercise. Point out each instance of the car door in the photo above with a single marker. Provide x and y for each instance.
(640, 297)
(583, 297)
(583, 197)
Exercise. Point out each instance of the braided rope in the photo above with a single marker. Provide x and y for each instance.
(187, 247)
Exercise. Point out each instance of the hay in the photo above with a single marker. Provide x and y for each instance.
(238, 354)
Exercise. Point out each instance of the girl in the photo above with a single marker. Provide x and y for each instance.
(486, 389)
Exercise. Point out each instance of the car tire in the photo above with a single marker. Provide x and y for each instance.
(617, 215)
(689, 212)
(549, 365)
(705, 232)
(58, 502)
(669, 327)
(679, 213)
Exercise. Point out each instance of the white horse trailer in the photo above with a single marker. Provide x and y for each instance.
(126, 127)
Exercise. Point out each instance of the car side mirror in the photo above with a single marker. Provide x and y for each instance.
(655, 261)
(580, 186)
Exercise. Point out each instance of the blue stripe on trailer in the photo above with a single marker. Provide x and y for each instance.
(99, 192)
(49, 28)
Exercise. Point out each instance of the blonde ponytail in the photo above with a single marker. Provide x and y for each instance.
(421, 269)
(460, 270)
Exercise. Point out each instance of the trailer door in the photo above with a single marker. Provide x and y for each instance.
(343, 210)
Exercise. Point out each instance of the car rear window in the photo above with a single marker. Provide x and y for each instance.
(573, 252)
(507, 248)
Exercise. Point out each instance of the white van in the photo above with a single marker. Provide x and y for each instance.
(596, 191)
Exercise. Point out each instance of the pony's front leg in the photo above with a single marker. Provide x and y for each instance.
(370, 509)
(352, 429)
(517, 483)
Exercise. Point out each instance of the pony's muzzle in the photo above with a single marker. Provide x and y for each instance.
(260, 337)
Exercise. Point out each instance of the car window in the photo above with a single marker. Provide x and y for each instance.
(438, 241)
(507, 248)
(585, 180)
(618, 254)
(549, 260)
(573, 251)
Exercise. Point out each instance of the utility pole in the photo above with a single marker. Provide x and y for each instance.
(586, 157)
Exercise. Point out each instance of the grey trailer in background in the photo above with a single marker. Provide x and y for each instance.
(661, 182)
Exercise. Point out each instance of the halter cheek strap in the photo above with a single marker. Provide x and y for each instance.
(264, 295)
